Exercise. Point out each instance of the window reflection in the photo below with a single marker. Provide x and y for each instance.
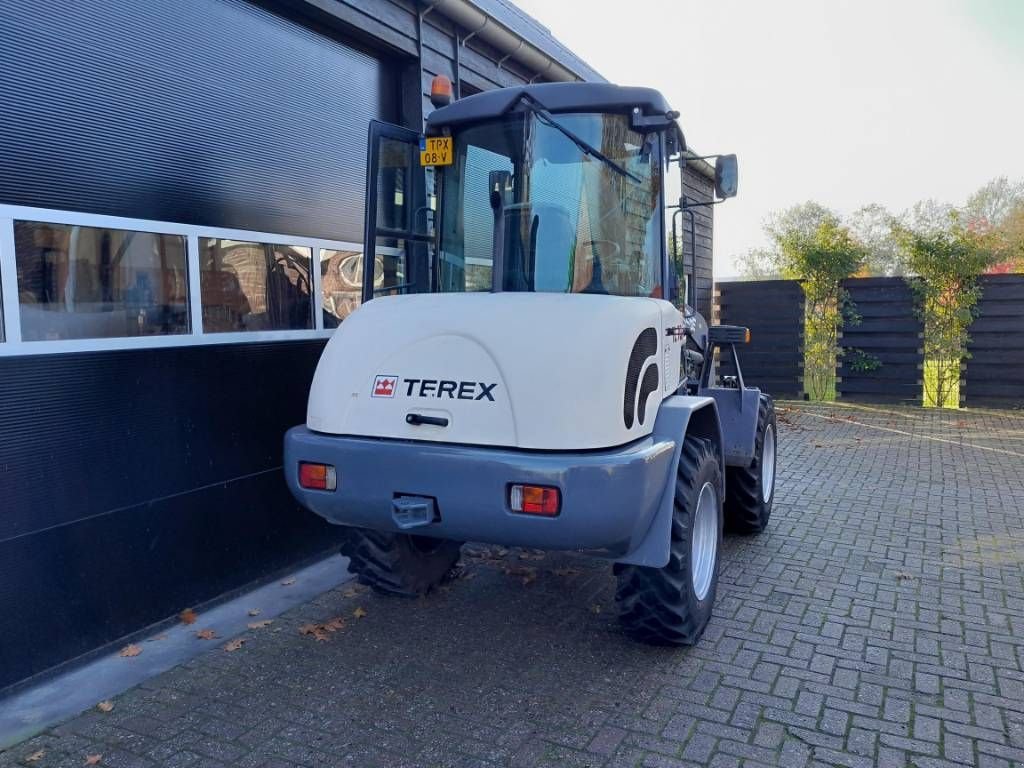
(78, 282)
(341, 278)
(341, 284)
(254, 286)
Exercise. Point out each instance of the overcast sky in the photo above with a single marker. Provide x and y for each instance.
(843, 102)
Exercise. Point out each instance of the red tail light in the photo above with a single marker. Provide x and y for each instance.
(317, 477)
(535, 500)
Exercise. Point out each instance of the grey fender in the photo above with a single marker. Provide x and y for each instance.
(678, 416)
(737, 411)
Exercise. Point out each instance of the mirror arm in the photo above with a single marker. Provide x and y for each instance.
(688, 206)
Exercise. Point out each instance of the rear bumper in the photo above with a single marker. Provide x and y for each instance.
(609, 498)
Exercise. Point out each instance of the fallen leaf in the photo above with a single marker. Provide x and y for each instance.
(161, 636)
(93, 759)
(288, 582)
(105, 706)
(595, 608)
(255, 611)
(350, 592)
(316, 631)
(188, 616)
(35, 757)
(359, 612)
(532, 554)
(234, 645)
(131, 650)
(260, 624)
(565, 572)
(206, 634)
(333, 625)
(526, 574)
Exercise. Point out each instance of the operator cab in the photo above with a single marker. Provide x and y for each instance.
(554, 188)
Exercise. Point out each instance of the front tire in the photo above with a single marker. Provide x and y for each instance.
(399, 563)
(672, 605)
(749, 491)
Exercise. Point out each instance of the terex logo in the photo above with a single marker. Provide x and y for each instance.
(385, 386)
(462, 390)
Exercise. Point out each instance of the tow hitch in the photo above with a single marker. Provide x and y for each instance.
(413, 511)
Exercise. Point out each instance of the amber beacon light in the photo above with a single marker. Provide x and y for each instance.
(440, 91)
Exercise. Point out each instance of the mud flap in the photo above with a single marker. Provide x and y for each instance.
(673, 420)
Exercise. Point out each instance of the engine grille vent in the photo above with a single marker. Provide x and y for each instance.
(645, 346)
(648, 385)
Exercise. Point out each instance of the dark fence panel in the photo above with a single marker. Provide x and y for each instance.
(889, 334)
(995, 368)
(774, 312)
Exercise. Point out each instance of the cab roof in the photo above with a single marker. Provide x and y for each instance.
(554, 97)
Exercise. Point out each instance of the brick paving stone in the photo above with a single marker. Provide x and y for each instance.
(878, 622)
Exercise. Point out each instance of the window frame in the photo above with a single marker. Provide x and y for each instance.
(13, 344)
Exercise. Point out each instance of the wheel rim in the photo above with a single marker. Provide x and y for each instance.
(768, 464)
(704, 541)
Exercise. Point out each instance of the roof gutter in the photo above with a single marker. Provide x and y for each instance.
(509, 44)
(700, 165)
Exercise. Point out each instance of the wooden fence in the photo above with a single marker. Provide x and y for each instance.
(994, 374)
(774, 312)
(882, 355)
(882, 358)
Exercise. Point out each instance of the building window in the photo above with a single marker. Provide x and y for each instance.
(254, 286)
(341, 284)
(77, 282)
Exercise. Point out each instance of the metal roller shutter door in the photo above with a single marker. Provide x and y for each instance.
(214, 112)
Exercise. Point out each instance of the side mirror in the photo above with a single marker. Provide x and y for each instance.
(727, 176)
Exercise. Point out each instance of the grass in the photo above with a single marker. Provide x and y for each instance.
(930, 395)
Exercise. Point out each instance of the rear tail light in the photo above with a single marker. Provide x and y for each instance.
(535, 500)
(317, 477)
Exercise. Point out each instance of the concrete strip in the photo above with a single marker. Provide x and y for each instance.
(30, 711)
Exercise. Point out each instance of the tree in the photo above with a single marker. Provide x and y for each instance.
(946, 264)
(759, 264)
(1009, 241)
(993, 203)
(873, 226)
(815, 248)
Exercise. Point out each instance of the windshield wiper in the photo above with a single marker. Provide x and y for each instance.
(545, 117)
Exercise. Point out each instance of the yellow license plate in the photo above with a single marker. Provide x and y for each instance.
(436, 150)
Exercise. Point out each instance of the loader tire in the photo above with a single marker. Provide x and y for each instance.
(661, 606)
(398, 563)
(749, 491)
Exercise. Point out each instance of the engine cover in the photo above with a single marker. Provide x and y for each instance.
(521, 370)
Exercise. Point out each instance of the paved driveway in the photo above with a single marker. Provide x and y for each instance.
(880, 621)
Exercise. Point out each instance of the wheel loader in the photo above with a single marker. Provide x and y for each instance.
(526, 367)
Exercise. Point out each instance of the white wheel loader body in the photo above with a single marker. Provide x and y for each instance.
(522, 370)
(537, 371)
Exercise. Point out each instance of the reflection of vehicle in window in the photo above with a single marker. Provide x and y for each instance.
(254, 286)
(341, 280)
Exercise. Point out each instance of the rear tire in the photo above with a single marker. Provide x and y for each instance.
(398, 563)
(672, 605)
(750, 491)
